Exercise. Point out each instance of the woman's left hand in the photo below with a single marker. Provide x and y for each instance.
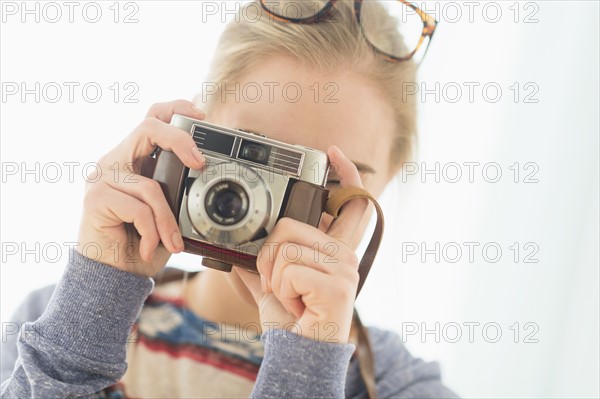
(309, 276)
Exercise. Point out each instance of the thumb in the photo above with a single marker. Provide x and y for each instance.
(252, 282)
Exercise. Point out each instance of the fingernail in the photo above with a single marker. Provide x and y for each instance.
(197, 154)
(338, 151)
(198, 111)
(177, 240)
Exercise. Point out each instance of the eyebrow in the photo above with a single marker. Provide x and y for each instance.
(361, 167)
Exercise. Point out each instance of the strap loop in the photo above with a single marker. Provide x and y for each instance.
(335, 203)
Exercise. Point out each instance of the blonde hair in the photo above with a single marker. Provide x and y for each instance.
(328, 45)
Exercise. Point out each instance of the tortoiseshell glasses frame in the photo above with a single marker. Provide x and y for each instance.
(429, 24)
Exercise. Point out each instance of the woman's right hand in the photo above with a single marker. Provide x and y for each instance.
(121, 202)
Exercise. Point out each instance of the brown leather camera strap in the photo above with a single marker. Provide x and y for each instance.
(360, 337)
(335, 203)
(359, 333)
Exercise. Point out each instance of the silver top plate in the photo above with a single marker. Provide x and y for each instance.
(296, 161)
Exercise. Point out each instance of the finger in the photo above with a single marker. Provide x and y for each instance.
(165, 111)
(290, 254)
(325, 222)
(288, 230)
(149, 192)
(251, 281)
(119, 207)
(348, 221)
(297, 284)
(151, 133)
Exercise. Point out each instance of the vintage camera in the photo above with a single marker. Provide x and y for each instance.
(227, 209)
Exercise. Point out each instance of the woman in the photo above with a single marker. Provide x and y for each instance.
(285, 333)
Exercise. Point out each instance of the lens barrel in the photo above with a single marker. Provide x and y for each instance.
(226, 203)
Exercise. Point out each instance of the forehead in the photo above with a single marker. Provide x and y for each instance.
(299, 105)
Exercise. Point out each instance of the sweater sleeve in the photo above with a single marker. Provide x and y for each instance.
(398, 373)
(29, 310)
(78, 345)
(297, 367)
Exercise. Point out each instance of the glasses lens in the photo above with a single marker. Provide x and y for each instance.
(294, 9)
(392, 26)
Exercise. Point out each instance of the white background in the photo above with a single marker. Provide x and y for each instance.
(166, 54)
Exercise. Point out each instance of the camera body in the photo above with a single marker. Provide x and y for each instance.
(227, 209)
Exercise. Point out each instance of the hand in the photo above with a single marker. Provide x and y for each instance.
(121, 198)
(309, 276)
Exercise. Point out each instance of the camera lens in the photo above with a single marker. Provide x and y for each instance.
(228, 207)
(226, 203)
(229, 204)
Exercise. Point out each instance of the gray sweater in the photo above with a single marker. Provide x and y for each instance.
(63, 347)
